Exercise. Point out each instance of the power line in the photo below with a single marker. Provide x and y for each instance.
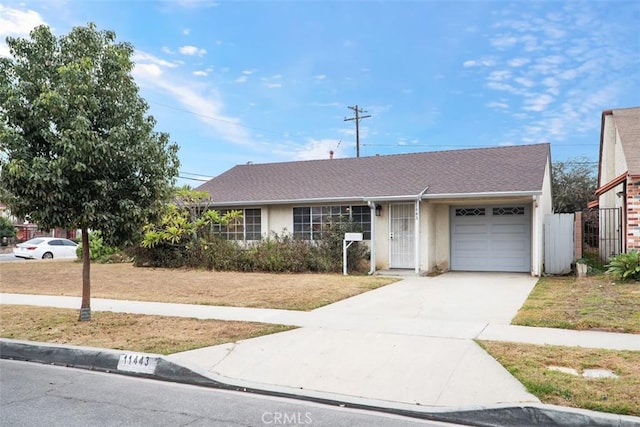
(193, 179)
(357, 119)
(212, 117)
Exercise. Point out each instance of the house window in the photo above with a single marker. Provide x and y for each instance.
(308, 221)
(248, 228)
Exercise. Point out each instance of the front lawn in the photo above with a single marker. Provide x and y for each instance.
(589, 303)
(188, 286)
(529, 364)
(121, 331)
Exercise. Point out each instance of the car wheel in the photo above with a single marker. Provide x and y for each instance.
(47, 255)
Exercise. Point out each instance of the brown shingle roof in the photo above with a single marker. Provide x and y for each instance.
(627, 122)
(485, 170)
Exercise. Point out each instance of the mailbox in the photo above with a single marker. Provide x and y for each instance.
(353, 237)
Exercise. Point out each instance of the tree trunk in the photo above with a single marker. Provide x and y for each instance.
(85, 308)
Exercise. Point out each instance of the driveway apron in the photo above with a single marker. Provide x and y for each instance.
(407, 342)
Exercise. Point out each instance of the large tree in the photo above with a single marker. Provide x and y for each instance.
(77, 148)
(574, 184)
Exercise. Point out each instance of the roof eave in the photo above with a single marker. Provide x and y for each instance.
(483, 194)
(388, 198)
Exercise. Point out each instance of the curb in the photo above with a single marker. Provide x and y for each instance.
(158, 367)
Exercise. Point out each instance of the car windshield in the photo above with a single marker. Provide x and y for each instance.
(34, 242)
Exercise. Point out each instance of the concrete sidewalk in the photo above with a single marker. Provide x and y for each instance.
(406, 343)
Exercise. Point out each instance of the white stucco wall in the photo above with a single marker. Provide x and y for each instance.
(613, 164)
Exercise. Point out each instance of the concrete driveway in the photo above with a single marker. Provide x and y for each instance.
(454, 296)
(407, 343)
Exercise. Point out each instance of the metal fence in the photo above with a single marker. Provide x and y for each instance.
(602, 232)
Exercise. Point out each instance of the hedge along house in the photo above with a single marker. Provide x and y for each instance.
(618, 192)
(468, 210)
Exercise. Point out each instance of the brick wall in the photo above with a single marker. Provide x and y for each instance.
(633, 213)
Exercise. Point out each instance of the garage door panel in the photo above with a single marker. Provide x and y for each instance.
(471, 229)
(494, 241)
(510, 229)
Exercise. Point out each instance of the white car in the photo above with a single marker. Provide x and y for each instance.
(46, 248)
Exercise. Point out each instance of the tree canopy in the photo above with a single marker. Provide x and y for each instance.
(77, 148)
(574, 184)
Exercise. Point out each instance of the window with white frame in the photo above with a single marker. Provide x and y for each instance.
(249, 227)
(308, 221)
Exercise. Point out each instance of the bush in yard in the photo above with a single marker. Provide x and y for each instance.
(330, 246)
(101, 252)
(625, 266)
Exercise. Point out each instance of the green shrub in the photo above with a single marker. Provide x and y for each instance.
(625, 266)
(278, 253)
(101, 252)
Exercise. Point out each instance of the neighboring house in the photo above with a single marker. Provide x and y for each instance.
(619, 180)
(468, 210)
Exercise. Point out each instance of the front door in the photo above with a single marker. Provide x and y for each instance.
(401, 235)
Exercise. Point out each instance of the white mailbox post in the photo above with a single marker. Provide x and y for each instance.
(348, 237)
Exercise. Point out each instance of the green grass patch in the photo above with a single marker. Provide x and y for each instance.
(590, 303)
(529, 364)
(120, 331)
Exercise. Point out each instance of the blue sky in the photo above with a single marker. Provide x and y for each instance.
(263, 81)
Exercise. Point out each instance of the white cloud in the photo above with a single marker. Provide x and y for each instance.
(140, 57)
(518, 62)
(537, 102)
(502, 105)
(241, 79)
(315, 149)
(524, 81)
(157, 74)
(16, 23)
(271, 85)
(320, 76)
(192, 50)
(504, 42)
(167, 50)
(186, 31)
(478, 63)
(499, 75)
(146, 71)
(200, 73)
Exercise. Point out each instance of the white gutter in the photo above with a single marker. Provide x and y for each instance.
(372, 250)
(487, 194)
(417, 230)
(408, 197)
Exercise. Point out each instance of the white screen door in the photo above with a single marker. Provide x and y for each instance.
(401, 236)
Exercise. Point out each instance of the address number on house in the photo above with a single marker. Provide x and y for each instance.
(138, 363)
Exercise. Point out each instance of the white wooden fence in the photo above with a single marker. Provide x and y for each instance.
(559, 244)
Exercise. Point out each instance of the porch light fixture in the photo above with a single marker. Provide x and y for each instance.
(378, 210)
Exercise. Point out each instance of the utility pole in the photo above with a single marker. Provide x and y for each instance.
(357, 117)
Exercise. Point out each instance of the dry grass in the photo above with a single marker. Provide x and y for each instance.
(133, 332)
(595, 303)
(123, 281)
(528, 363)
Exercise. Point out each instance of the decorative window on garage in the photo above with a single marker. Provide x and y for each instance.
(470, 211)
(512, 210)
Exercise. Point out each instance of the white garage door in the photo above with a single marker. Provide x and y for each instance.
(491, 238)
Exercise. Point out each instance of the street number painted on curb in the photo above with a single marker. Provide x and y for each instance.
(138, 363)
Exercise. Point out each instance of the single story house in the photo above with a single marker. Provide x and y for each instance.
(468, 210)
(619, 179)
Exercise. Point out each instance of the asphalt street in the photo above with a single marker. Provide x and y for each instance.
(33, 394)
